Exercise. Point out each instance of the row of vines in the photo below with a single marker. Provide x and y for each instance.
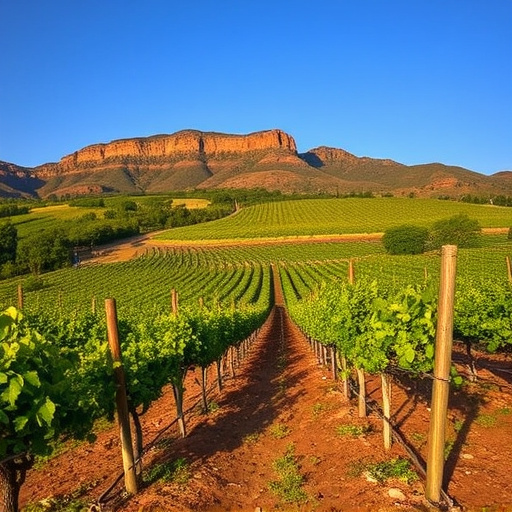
(57, 373)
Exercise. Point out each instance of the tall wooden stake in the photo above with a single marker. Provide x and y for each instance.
(386, 409)
(20, 297)
(509, 269)
(130, 477)
(362, 393)
(442, 364)
(174, 301)
(351, 272)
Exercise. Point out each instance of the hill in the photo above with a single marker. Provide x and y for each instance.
(268, 159)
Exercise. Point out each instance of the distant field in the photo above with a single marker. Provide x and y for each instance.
(310, 217)
(49, 216)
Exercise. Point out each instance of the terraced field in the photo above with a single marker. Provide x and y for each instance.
(313, 217)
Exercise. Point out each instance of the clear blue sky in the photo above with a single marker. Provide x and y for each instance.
(412, 80)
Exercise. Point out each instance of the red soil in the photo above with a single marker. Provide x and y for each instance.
(282, 395)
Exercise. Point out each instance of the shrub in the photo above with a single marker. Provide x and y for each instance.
(405, 240)
(510, 233)
(458, 230)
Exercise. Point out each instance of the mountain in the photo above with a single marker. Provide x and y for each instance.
(269, 159)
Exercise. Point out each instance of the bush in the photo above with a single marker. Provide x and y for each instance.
(458, 230)
(405, 240)
(510, 233)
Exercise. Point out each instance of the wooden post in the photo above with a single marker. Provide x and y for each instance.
(130, 477)
(20, 296)
(351, 272)
(386, 409)
(362, 393)
(442, 364)
(346, 390)
(509, 269)
(174, 301)
(334, 364)
(93, 305)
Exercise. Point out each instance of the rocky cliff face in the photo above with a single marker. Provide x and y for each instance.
(193, 159)
(187, 144)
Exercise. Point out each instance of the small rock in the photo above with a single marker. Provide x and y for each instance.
(467, 456)
(396, 494)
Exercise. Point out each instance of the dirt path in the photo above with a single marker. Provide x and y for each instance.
(131, 248)
(280, 400)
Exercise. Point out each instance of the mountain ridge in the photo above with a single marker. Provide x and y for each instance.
(268, 159)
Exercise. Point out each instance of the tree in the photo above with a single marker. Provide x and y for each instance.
(458, 230)
(47, 250)
(405, 240)
(8, 242)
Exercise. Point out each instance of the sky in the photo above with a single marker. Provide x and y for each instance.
(415, 81)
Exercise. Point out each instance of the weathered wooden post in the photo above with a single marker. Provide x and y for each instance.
(509, 269)
(174, 301)
(351, 272)
(20, 296)
(130, 477)
(386, 409)
(93, 305)
(442, 364)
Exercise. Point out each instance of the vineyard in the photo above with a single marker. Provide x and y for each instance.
(192, 321)
(314, 217)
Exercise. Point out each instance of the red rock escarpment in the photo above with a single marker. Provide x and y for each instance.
(168, 147)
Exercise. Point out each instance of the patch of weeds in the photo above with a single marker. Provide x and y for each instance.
(398, 468)
(280, 430)
(318, 408)
(505, 411)
(356, 468)
(213, 406)
(457, 425)
(486, 420)
(251, 438)
(177, 471)
(65, 503)
(352, 430)
(288, 487)
(418, 437)
(448, 447)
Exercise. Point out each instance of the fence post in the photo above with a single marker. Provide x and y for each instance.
(20, 296)
(442, 364)
(509, 269)
(174, 301)
(351, 272)
(130, 477)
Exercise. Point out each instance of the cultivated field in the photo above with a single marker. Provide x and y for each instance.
(279, 405)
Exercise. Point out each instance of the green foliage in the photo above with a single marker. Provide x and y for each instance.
(458, 230)
(88, 202)
(8, 242)
(288, 487)
(33, 283)
(405, 240)
(309, 217)
(398, 468)
(352, 430)
(176, 471)
(509, 236)
(280, 431)
(10, 210)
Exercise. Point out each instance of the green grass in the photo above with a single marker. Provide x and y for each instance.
(288, 487)
(311, 217)
(176, 471)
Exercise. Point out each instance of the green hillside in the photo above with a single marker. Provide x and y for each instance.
(336, 216)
